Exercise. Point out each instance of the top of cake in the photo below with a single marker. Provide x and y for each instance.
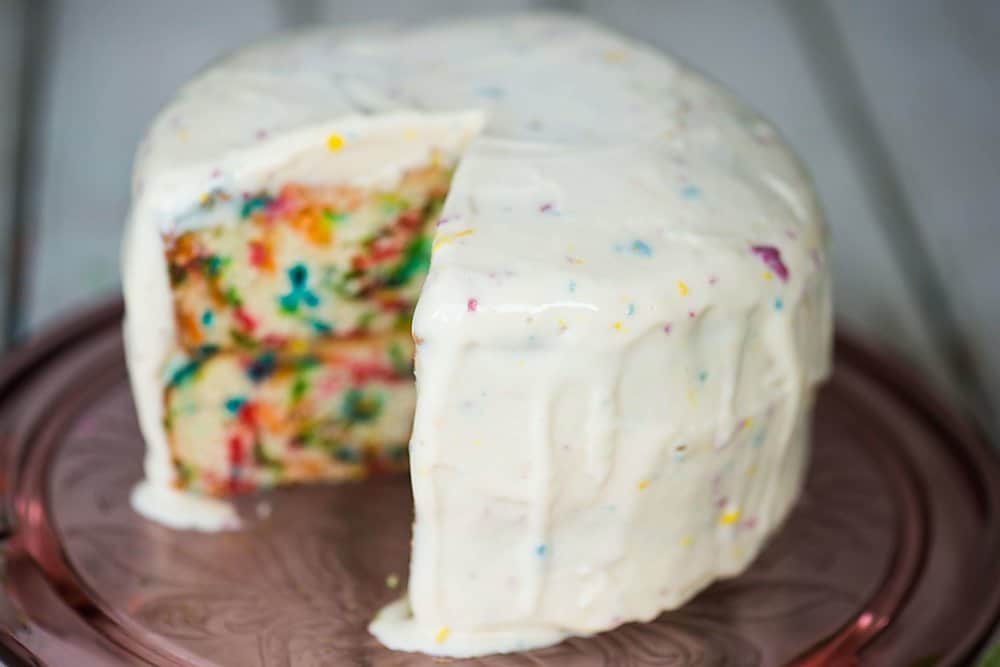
(548, 84)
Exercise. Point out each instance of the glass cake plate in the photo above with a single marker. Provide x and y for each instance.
(891, 557)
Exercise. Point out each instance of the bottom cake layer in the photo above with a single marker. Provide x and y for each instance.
(341, 410)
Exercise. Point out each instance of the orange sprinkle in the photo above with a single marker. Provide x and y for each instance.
(643, 485)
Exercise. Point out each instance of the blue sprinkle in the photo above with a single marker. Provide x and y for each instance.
(263, 367)
(207, 318)
(778, 304)
(319, 326)
(758, 439)
(702, 376)
(691, 192)
(641, 248)
(310, 299)
(298, 275)
(233, 405)
(540, 550)
(631, 310)
(572, 286)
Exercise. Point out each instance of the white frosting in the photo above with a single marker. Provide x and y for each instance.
(616, 372)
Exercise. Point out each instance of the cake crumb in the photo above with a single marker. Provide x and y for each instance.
(392, 581)
(263, 510)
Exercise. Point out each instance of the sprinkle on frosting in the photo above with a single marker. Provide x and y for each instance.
(729, 517)
(334, 142)
(771, 257)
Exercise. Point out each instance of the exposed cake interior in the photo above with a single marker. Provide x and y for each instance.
(292, 313)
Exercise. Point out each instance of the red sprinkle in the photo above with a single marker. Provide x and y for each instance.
(246, 322)
(472, 305)
(247, 414)
(235, 451)
(362, 373)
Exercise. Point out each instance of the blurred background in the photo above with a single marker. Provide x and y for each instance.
(894, 105)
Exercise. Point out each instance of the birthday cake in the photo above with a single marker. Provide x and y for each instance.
(615, 278)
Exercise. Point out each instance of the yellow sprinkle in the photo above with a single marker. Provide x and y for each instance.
(441, 635)
(643, 484)
(751, 471)
(477, 442)
(747, 423)
(618, 326)
(575, 260)
(392, 581)
(729, 518)
(410, 134)
(205, 199)
(687, 541)
(182, 135)
(614, 56)
(520, 363)
(562, 324)
(435, 158)
(767, 275)
(445, 239)
(682, 288)
(334, 142)
(424, 470)
(691, 397)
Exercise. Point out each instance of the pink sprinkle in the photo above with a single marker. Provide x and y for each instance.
(261, 135)
(546, 208)
(772, 259)
(713, 279)
(722, 502)
(216, 173)
(667, 328)
(691, 314)
(472, 305)
(792, 234)
(750, 523)
(443, 221)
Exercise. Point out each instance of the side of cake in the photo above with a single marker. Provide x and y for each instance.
(618, 343)
(282, 348)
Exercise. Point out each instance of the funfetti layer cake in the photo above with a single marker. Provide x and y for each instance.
(618, 342)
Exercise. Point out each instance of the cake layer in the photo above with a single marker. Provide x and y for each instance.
(343, 409)
(305, 262)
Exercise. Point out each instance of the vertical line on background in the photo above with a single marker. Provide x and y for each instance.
(559, 5)
(298, 13)
(26, 120)
(840, 87)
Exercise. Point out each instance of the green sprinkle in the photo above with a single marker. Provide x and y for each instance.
(299, 388)
(361, 407)
(416, 261)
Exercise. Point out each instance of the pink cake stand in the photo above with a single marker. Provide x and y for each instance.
(892, 557)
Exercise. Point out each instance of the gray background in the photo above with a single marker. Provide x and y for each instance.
(894, 105)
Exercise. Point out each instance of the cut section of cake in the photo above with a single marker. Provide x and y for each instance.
(625, 317)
